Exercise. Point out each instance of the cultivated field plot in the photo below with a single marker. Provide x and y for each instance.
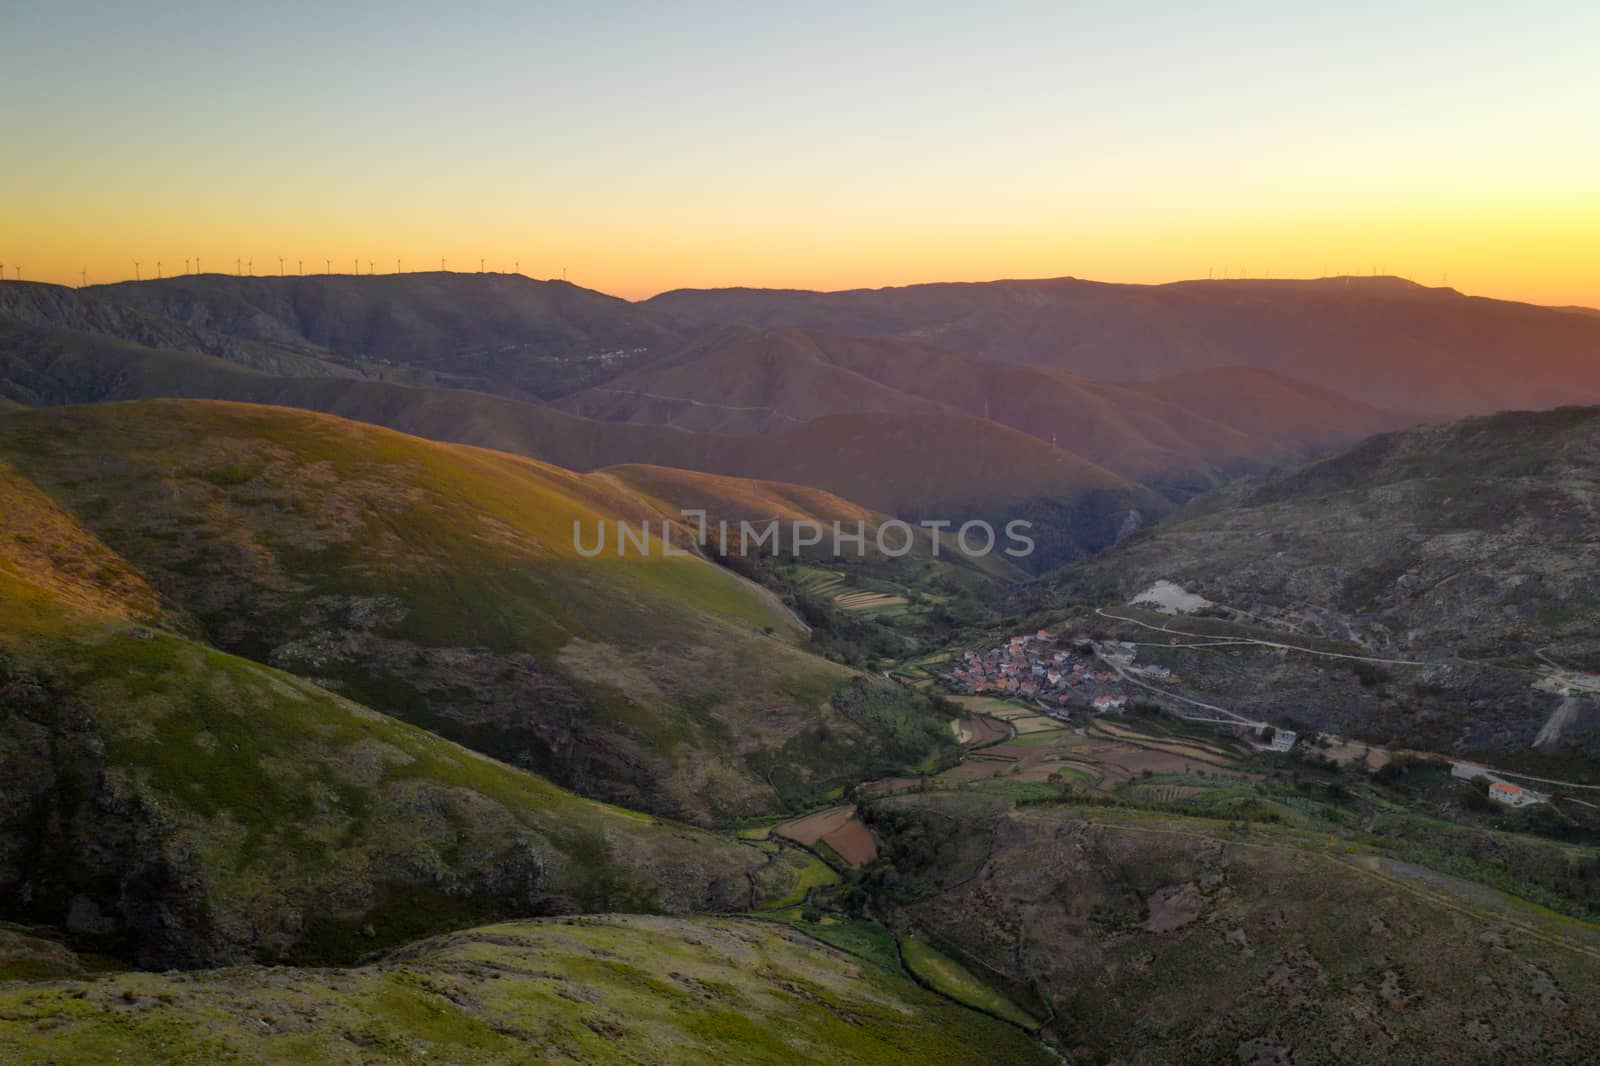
(1023, 719)
(979, 729)
(808, 830)
(868, 601)
(838, 588)
(820, 582)
(1192, 748)
(853, 841)
(1166, 793)
(838, 828)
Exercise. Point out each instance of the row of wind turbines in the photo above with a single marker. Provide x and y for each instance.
(247, 268)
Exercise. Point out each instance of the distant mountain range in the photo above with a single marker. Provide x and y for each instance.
(1090, 407)
(744, 380)
(1383, 341)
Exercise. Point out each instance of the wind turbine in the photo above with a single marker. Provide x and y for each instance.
(158, 270)
(238, 266)
(186, 266)
(83, 277)
(280, 266)
(250, 265)
(441, 264)
(397, 264)
(516, 265)
(300, 264)
(480, 266)
(136, 270)
(357, 262)
(197, 264)
(371, 269)
(329, 263)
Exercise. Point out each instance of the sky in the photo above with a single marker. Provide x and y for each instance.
(645, 147)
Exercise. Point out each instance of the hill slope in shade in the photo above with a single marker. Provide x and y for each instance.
(942, 466)
(496, 332)
(1162, 938)
(1293, 415)
(441, 584)
(734, 500)
(56, 307)
(1383, 341)
(755, 382)
(750, 381)
(1461, 533)
(1470, 547)
(591, 990)
(745, 381)
(178, 806)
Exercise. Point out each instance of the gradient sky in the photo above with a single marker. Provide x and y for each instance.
(651, 146)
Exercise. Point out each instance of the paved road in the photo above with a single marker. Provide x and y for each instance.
(1309, 651)
(1251, 640)
(1230, 717)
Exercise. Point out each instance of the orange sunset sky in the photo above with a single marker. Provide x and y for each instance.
(649, 147)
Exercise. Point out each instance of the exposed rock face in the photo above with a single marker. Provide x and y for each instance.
(81, 846)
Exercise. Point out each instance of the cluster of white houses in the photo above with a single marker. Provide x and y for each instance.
(1039, 667)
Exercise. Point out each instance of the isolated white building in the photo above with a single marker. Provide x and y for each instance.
(1283, 740)
(1514, 795)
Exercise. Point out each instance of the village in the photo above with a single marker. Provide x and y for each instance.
(1059, 675)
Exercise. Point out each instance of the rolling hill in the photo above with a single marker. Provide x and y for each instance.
(442, 584)
(940, 466)
(1184, 939)
(1195, 427)
(587, 990)
(1383, 341)
(56, 307)
(175, 805)
(498, 333)
(1293, 415)
(746, 381)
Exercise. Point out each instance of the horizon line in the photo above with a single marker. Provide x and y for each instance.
(1443, 287)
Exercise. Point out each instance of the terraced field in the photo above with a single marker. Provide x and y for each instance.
(869, 601)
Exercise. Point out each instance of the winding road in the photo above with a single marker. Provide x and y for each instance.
(1234, 718)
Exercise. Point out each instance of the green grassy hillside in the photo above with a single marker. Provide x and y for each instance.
(948, 466)
(1149, 936)
(441, 584)
(175, 805)
(585, 990)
